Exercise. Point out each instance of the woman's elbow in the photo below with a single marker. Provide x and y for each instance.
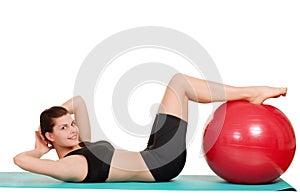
(17, 160)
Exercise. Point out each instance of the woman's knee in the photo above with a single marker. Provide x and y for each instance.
(177, 80)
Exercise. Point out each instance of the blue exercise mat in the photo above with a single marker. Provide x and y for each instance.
(182, 183)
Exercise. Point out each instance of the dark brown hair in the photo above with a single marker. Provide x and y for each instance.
(47, 116)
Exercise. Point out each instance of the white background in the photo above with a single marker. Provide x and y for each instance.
(43, 43)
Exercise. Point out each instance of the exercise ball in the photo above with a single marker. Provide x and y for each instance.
(248, 143)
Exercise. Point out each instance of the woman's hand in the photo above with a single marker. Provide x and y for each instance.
(41, 144)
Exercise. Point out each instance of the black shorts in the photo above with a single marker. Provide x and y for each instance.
(165, 155)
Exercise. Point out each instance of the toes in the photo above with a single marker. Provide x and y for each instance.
(284, 92)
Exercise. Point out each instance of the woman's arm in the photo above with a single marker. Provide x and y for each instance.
(72, 168)
(77, 106)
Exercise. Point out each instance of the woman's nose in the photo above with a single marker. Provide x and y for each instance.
(73, 129)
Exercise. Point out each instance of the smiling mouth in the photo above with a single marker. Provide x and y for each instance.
(74, 137)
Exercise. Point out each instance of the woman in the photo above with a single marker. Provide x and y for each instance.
(165, 155)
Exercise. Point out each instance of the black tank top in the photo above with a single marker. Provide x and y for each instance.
(98, 155)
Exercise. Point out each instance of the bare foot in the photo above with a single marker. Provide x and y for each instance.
(262, 93)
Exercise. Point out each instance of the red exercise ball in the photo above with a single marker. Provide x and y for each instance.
(249, 143)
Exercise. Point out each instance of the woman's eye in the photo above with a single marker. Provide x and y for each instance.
(63, 128)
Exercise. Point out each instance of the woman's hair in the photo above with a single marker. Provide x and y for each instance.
(47, 118)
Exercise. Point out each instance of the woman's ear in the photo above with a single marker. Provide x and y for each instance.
(49, 136)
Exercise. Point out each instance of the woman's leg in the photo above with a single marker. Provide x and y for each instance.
(183, 88)
(76, 106)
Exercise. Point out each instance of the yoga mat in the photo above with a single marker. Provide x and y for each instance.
(182, 183)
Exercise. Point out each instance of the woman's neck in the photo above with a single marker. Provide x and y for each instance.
(63, 151)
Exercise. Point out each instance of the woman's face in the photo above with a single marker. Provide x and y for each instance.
(65, 132)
